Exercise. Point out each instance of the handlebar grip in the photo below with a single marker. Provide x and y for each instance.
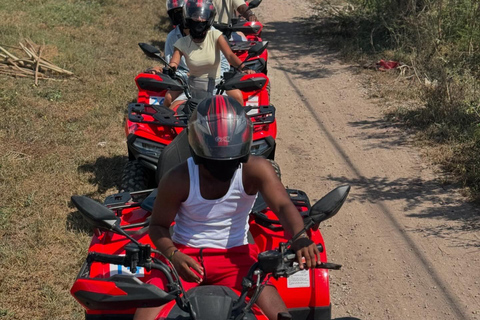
(106, 258)
(289, 256)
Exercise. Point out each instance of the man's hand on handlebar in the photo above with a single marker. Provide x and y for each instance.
(306, 248)
(248, 71)
(159, 70)
(154, 70)
(243, 69)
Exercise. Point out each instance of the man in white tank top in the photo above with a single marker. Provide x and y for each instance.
(210, 197)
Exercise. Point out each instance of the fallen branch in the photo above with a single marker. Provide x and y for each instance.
(32, 66)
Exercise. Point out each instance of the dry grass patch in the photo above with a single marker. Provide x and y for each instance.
(63, 138)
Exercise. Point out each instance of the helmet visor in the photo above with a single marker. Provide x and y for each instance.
(199, 11)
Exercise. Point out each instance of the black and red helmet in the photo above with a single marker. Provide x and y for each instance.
(175, 11)
(199, 15)
(200, 10)
(173, 4)
(219, 129)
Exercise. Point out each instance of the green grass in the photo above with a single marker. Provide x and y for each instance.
(62, 138)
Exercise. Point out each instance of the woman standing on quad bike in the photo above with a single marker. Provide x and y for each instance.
(210, 196)
(201, 49)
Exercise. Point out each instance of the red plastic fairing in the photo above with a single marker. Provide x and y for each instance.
(161, 134)
(102, 287)
(147, 96)
(257, 35)
(96, 286)
(242, 54)
(299, 290)
(110, 243)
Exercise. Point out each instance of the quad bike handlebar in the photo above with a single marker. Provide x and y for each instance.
(272, 263)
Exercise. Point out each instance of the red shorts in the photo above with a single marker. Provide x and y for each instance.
(223, 267)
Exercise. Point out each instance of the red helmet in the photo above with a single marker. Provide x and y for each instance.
(219, 129)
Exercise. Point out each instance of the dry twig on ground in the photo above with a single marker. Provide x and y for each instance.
(33, 66)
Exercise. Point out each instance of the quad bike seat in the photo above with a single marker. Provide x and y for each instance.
(174, 153)
(147, 203)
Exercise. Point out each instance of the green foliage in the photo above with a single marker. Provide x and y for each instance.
(440, 41)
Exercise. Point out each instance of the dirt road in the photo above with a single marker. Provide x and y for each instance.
(407, 242)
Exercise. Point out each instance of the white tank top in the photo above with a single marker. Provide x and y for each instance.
(220, 223)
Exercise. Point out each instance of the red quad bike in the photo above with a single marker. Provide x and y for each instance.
(150, 126)
(252, 31)
(111, 283)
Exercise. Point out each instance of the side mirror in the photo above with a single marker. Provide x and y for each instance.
(329, 205)
(254, 3)
(150, 51)
(257, 49)
(95, 213)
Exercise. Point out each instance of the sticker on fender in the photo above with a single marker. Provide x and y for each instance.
(156, 101)
(301, 279)
(115, 269)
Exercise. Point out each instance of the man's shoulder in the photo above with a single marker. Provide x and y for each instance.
(178, 173)
(255, 164)
(173, 34)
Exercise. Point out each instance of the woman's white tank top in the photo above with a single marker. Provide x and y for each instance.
(220, 223)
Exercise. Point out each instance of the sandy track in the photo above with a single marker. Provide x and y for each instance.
(406, 242)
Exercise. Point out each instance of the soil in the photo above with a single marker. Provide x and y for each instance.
(408, 243)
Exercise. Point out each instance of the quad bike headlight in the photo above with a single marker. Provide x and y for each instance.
(259, 147)
(148, 148)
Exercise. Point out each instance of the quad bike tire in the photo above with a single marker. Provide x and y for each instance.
(136, 177)
(276, 167)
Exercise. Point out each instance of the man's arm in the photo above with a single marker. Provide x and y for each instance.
(173, 189)
(265, 180)
(262, 177)
(170, 195)
(246, 12)
(169, 42)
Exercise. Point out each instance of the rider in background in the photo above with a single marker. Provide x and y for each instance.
(201, 49)
(175, 13)
(210, 196)
(226, 9)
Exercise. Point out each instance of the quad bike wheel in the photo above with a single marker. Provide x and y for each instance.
(276, 167)
(136, 177)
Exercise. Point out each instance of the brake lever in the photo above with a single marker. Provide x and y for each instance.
(329, 265)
